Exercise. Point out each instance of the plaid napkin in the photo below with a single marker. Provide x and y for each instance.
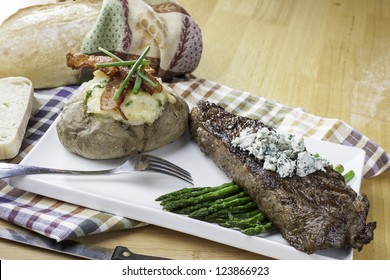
(60, 220)
(56, 219)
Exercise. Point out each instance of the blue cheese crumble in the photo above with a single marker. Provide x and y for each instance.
(283, 153)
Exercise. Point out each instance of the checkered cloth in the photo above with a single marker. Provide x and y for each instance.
(60, 220)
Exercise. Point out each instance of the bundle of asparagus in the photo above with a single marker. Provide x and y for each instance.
(227, 205)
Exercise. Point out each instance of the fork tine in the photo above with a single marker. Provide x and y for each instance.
(169, 164)
(165, 170)
(162, 166)
(156, 165)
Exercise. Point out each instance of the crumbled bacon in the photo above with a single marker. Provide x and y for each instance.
(107, 101)
(80, 60)
(150, 73)
(116, 75)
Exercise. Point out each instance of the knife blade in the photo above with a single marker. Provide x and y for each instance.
(74, 248)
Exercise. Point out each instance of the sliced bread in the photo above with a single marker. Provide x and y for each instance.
(16, 105)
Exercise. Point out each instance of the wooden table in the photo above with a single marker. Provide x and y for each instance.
(330, 57)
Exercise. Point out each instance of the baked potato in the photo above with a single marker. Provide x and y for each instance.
(107, 119)
(98, 137)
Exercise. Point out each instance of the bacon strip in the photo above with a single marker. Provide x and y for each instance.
(149, 72)
(107, 101)
(80, 60)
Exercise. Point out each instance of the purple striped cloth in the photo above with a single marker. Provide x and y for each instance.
(61, 220)
(56, 219)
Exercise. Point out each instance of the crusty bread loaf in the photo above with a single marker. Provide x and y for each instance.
(16, 105)
(34, 41)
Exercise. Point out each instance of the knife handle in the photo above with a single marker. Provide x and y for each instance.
(123, 253)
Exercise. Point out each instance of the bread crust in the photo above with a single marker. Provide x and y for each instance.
(17, 103)
(35, 39)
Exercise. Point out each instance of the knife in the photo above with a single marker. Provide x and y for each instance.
(74, 248)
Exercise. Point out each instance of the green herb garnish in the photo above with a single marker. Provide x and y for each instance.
(120, 63)
(128, 103)
(348, 176)
(339, 168)
(137, 67)
(109, 53)
(138, 81)
(131, 73)
(146, 79)
(87, 96)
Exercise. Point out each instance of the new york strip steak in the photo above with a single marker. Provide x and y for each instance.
(314, 212)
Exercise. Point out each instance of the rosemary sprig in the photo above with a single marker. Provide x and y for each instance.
(131, 73)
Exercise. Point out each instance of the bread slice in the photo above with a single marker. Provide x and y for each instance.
(16, 105)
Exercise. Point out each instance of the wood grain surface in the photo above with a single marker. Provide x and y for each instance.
(331, 57)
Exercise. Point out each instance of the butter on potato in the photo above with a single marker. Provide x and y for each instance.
(139, 108)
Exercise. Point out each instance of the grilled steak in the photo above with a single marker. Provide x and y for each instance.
(314, 212)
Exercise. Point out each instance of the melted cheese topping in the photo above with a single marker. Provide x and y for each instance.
(138, 108)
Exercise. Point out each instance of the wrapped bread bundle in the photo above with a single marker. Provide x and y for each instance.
(128, 26)
(36, 39)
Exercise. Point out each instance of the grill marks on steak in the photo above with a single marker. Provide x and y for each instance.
(314, 212)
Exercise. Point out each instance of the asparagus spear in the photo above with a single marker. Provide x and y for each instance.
(190, 192)
(245, 215)
(258, 229)
(189, 209)
(244, 223)
(207, 204)
(173, 195)
(231, 210)
(202, 212)
(215, 194)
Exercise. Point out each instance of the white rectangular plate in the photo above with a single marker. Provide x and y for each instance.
(133, 196)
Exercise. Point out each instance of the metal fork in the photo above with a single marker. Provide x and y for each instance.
(137, 163)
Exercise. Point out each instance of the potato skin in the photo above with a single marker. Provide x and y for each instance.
(93, 138)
